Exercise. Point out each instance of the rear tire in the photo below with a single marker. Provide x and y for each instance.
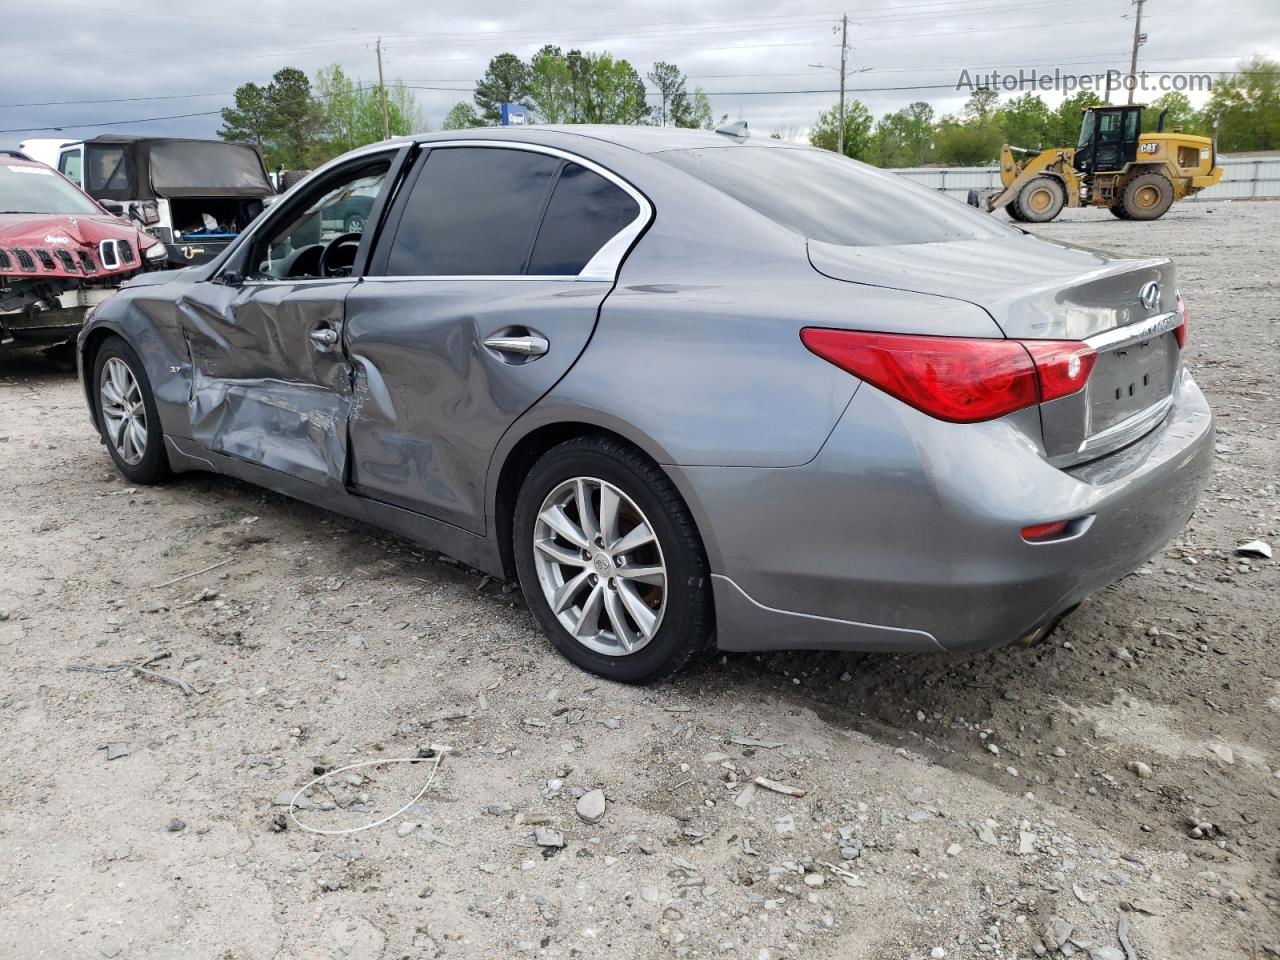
(642, 626)
(1041, 199)
(1011, 208)
(127, 415)
(1147, 196)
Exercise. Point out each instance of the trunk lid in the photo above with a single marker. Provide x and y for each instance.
(1041, 290)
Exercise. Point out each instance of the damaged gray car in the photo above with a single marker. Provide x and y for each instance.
(695, 391)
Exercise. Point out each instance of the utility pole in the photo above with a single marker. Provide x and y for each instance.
(382, 91)
(844, 56)
(1138, 38)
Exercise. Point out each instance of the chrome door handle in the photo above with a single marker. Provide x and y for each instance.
(531, 345)
(324, 337)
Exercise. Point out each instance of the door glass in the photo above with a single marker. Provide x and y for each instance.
(1131, 125)
(1109, 127)
(69, 165)
(328, 227)
(585, 212)
(472, 212)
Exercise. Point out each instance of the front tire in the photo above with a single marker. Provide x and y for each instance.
(127, 414)
(610, 562)
(1041, 200)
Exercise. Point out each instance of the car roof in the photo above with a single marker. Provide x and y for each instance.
(639, 138)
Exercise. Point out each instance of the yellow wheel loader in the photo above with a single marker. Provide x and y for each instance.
(1135, 175)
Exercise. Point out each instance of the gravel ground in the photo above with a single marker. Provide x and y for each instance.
(1004, 804)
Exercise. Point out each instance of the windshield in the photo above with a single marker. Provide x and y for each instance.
(25, 189)
(828, 198)
(1086, 129)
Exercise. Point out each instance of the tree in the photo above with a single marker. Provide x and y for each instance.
(967, 143)
(857, 130)
(1068, 117)
(1027, 121)
(904, 138)
(295, 118)
(551, 86)
(1181, 114)
(352, 112)
(670, 83)
(613, 91)
(692, 110)
(507, 80)
(981, 104)
(461, 116)
(248, 120)
(1245, 109)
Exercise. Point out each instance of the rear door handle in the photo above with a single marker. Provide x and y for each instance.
(529, 345)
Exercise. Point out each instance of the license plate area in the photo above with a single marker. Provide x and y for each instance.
(1129, 379)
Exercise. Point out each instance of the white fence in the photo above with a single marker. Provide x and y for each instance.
(1242, 179)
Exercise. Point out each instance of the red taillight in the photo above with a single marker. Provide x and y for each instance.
(1180, 331)
(1040, 532)
(958, 379)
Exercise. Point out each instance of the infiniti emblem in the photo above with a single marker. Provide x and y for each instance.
(601, 564)
(1150, 295)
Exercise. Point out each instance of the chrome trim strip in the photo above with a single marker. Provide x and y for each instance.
(525, 277)
(1134, 332)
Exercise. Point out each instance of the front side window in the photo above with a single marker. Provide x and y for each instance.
(69, 165)
(321, 238)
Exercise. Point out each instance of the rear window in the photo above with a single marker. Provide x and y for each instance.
(831, 199)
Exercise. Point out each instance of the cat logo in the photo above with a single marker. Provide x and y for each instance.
(1148, 148)
(191, 252)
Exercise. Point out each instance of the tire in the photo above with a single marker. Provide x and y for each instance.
(291, 177)
(353, 224)
(1118, 211)
(680, 612)
(112, 361)
(1011, 208)
(1040, 200)
(1147, 196)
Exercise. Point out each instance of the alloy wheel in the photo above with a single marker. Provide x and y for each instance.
(600, 566)
(123, 411)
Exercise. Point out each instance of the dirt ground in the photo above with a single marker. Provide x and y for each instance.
(1004, 804)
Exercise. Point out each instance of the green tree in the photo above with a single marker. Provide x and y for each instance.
(614, 92)
(249, 119)
(670, 83)
(904, 138)
(692, 110)
(1027, 121)
(295, 118)
(1069, 116)
(507, 80)
(1245, 109)
(967, 143)
(551, 86)
(1181, 114)
(461, 116)
(857, 130)
(352, 112)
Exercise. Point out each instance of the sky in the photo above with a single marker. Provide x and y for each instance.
(771, 63)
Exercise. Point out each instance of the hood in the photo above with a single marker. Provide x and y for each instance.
(1032, 288)
(61, 245)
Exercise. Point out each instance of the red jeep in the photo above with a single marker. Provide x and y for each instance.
(60, 252)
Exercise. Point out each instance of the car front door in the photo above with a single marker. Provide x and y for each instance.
(270, 380)
(482, 292)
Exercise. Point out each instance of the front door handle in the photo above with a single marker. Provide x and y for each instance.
(529, 345)
(324, 338)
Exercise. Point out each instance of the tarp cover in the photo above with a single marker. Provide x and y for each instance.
(143, 168)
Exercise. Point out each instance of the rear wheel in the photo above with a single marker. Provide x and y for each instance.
(1011, 208)
(1041, 200)
(1147, 196)
(610, 562)
(127, 414)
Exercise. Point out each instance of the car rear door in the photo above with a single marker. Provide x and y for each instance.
(483, 290)
(270, 380)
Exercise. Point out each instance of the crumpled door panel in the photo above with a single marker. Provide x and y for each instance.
(261, 389)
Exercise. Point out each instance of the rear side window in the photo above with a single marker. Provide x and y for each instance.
(828, 198)
(472, 212)
(585, 212)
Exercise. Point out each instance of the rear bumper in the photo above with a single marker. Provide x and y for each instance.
(903, 533)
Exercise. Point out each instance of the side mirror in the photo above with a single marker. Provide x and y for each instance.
(112, 207)
(230, 278)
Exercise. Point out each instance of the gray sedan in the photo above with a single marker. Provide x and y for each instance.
(697, 391)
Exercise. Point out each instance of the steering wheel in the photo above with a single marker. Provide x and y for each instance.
(339, 241)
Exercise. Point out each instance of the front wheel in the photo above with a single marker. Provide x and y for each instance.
(1041, 200)
(610, 562)
(127, 414)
